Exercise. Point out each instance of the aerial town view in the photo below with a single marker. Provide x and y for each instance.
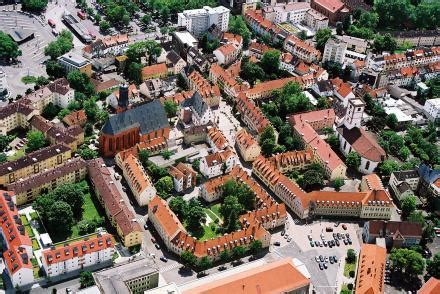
(220, 146)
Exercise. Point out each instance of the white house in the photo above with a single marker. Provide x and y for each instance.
(218, 163)
(78, 255)
(432, 109)
(196, 111)
(184, 177)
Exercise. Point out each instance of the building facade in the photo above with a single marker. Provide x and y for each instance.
(198, 21)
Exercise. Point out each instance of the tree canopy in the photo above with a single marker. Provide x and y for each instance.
(34, 5)
(36, 141)
(408, 261)
(237, 25)
(62, 45)
(353, 160)
(8, 47)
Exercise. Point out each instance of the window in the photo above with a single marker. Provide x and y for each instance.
(367, 165)
(59, 159)
(36, 168)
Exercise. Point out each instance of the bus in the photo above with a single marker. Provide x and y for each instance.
(81, 15)
(51, 22)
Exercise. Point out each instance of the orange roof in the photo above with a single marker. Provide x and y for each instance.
(432, 286)
(155, 69)
(231, 38)
(272, 85)
(276, 277)
(227, 49)
(330, 5)
(110, 41)
(16, 258)
(247, 108)
(167, 219)
(217, 137)
(244, 139)
(202, 85)
(78, 249)
(373, 181)
(76, 118)
(136, 174)
(301, 46)
(292, 158)
(181, 170)
(178, 97)
(371, 269)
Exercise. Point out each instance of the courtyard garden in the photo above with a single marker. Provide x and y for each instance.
(350, 264)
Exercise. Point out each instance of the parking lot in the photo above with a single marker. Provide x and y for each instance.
(325, 280)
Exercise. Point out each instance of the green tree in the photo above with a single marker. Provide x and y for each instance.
(204, 264)
(270, 62)
(230, 210)
(369, 20)
(387, 167)
(353, 160)
(238, 252)
(134, 72)
(91, 109)
(384, 43)
(34, 5)
(302, 35)
(86, 279)
(351, 256)
(164, 186)
(408, 205)
(50, 111)
(8, 47)
(392, 121)
(81, 83)
(117, 15)
(195, 215)
(251, 72)
(242, 191)
(255, 247)
(170, 108)
(433, 266)
(311, 179)
(72, 194)
(393, 13)
(60, 217)
(63, 113)
(225, 256)
(179, 206)
(188, 259)
(404, 153)
(143, 157)
(86, 153)
(267, 140)
(3, 157)
(408, 261)
(36, 141)
(104, 26)
(54, 69)
(153, 50)
(146, 19)
(338, 183)
(322, 36)
(333, 141)
(237, 25)
(416, 217)
(5, 140)
(62, 45)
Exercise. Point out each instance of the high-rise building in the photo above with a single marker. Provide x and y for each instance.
(334, 51)
(198, 21)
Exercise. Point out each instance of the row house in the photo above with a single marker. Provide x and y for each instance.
(159, 70)
(418, 37)
(305, 126)
(139, 182)
(408, 76)
(251, 115)
(227, 53)
(396, 233)
(93, 251)
(218, 163)
(226, 79)
(259, 24)
(292, 160)
(210, 93)
(216, 140)
(301, 49)
(247, 145)
(184, 177)
(119, 215)
(110, 45)
(27, 189)
(18, 245)
(371, 269)
(34, 163)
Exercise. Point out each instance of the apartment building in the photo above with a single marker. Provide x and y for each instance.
(27, 189)
(305, 126)
(184, 177)
(301, 49)
(418, 37)
(216, 140)
(34, 163)
(15, 115)
(315, 20)
(174, 61)
(292, 160)
(432, 109)
(72, 61)
(159, 70)
(78, 255)
(258, 49)
(210, 94)
(198, 21)
(396, 233)
(57, 92)
(139, 182)
(404, 182)
(226, 79)
(114, 205)
(218, 163)
(227, 53)
(334, 51)
(247, 145)
(109, 45)
(18, 251)
(371, 269)
(407, 76)
(251, 114)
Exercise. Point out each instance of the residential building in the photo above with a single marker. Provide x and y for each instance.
(18, 251)
(417, 38)
(139, 182)
(182, 42)
(281, 276)
(134, 276)
(432, 286)
(334, 51)
(335, 10)
(27, 189)
(78, 255)
(199, 60)
(184, 177)
(292, 160)
(227, 53)
(247, 145)
(323, 88)
(227, 79)
(371, 182)
(258, 49)
(354, 44)
(159, 70)
(301, 49)
(210, 94)
(404, 183)
(352, 137)
(196, 111)
(195, 134)
(216, 140)
(34, 163)
(315, 20)
(343, 92)
(251, 115)
(151, 89)
(429, 184)
(76, 118)
(109, 45)
(114, 205)
(432, 109)
(371, 269)
(292, 12)
(396, 233)
(218, 163)
(175, 62)
(198, 21)
(140, 124)
(72, 61)
(264, 90)
(16, 114)
(305, 126)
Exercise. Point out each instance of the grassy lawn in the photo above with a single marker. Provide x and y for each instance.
(24, 220)
(210, 214)
(18, 154)
(348, 267)
(28, 80)
(344, 289)
(89, 213)
(216, 209)
(29, 231)
(35, 245)
(208, 233)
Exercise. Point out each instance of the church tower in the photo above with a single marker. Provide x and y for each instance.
(353, 115)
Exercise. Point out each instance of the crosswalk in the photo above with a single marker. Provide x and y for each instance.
(169, 267)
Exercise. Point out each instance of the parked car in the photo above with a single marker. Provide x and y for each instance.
(289, 239)
(146, 227)
(325, 243)
(164, 259)
(157, 246)
(321, 258)
(329, 229)
(325, 265)
(337, 243)
(283, 232)
(345, 242)
(321, 267)
(331, 259)
(310, 237)
(317, 258)
(349, 241)
(153, 240)
(316, 243)
(344, 226)
(277, 243)
(312, 244)
(335, 259)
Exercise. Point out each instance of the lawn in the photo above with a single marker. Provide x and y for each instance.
(89, 213)
(35, 245)
(210, 214)
(348, 268)
(208, 233)
(18, 154)
(216, 209)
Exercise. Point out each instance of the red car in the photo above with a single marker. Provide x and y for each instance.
(344, 226)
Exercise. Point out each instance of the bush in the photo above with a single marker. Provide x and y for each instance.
(351, 274)
(350, 286)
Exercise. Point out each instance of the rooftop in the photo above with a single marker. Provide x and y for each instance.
(371, 270)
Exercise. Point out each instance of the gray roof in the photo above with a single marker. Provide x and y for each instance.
(148, 117)
(173, 57)
(197, 103)
(406, 174)
(113, 280)
(403, 187)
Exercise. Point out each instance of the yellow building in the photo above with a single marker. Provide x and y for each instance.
(247, 145)
(34, 163)
(26, 190)
(15, 115)
(154, 71)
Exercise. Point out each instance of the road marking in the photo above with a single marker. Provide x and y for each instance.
(169, 267)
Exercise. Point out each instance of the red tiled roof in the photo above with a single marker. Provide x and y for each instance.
(430, 287)
(371, 269)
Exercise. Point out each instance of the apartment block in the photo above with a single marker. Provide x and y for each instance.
(334, 51)
(184, 177)
(78, 255)
(26, 190)
(432, 109)
(15, 115)
(218, 163)
(251, 114)
(247, 145)
(301, 49)
(198, 21)
(34, 163)
(71, 61)
(210, 93)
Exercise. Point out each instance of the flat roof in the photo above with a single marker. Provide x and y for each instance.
(401, 116)
(74, 59)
